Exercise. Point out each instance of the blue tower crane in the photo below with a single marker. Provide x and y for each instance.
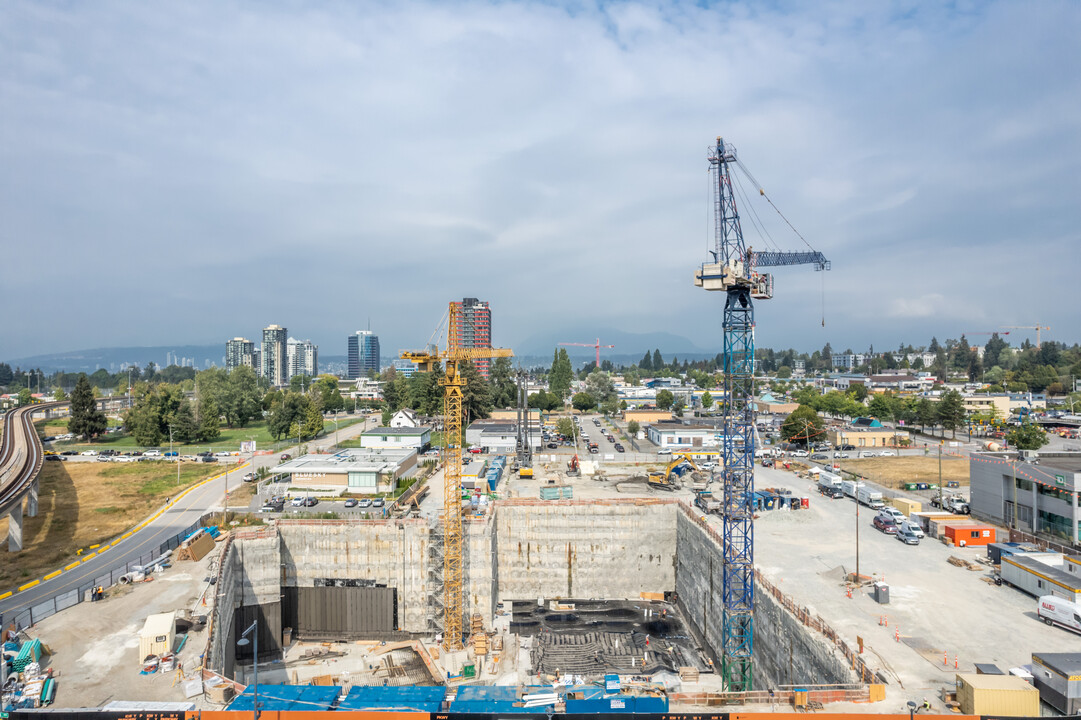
(734, 272)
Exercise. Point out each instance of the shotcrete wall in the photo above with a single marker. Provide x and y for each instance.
(578, 549)
(785, 651)
(390, 552)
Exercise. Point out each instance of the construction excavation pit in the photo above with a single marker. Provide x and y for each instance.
(593, 638)
(553, 592)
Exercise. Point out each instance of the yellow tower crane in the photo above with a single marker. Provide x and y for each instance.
(452, 382)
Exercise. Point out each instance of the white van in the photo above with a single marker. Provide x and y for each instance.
(1054, 610)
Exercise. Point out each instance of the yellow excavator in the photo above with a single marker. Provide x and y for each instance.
(669, 478)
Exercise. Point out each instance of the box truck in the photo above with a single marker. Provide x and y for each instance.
(850, 487)
(870, 498)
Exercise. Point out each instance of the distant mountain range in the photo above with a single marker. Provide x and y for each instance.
(114, 358)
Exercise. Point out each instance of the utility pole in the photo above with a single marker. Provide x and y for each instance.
(940, 492)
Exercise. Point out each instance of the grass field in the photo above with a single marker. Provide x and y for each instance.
(229, 440)
(83, 504)
(894, 472)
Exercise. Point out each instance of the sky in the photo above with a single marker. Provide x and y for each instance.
(189, 172)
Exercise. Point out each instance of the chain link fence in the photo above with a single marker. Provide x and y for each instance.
(62, 601)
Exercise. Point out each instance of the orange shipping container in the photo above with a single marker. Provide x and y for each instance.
(967, 534)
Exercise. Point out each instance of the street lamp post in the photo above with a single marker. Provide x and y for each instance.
(335, 428)
(243, 642)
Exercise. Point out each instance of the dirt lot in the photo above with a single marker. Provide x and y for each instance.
(894, 472)
(82, 504)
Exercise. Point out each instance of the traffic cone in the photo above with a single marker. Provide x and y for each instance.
(945, 659)
(886, 620)
(897, 634)
(954, 662)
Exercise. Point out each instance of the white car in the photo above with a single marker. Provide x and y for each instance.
(709, 465)
(297, 501)
(896, 514)
(840, 455)
(152, 453)
(124, 458)
(664, 451)
(89, 453)
(887, 453)
(223, 454)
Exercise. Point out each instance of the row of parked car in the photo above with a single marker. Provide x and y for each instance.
(277, 503)
(892, 521)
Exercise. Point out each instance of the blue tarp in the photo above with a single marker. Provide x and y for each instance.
(288, 697)
(495, 699)
(592, 699)
(408, 698)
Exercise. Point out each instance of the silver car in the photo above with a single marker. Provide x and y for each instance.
(905, 535)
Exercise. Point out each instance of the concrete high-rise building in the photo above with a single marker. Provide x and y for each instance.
(239, 352)
(473, 329)
(302, 357)
(273, 359)
(362, 351)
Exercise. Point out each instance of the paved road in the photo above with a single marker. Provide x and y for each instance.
(179, 516)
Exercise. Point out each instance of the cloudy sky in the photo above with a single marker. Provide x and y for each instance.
(186, 172)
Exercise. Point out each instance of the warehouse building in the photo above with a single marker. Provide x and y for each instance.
(674, 435)
(418, 439)
(1043, 488)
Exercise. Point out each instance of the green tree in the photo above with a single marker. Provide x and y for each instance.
(858, 392)
(565, 427)
(664, 399)
(583, 401)
(707, 400)
(658, 361)
(284, 415)
(384, 419)
(633, 427)
(599, 385)
(313, 419)
(881, 407)
(610, 406)
(25, 397)
(85, 418)
(243, 398)
(950, 411)
(59, 395)
(646, 363)
(300, 383)
(561, 374)
(330, 397)
(182, 422)
(209, 420)
(545, 401)
(677, 406)
(1027, 436)
(784, 372)
(476, 397)
(803, 425)
(503, 389)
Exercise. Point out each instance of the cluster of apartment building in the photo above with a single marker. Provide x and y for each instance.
(278, 358)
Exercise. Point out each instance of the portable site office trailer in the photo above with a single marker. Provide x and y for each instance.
(969, 534)
(1039, 574)
(157, 635)
(1057, 676)
(1001, 695)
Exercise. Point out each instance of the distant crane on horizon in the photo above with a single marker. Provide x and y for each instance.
(1037, 328)
(596, 345)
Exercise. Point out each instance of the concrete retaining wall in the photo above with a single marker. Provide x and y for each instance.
(600, 549)
(391, 552)
(785, 650)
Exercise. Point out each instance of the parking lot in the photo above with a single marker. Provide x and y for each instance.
(934, 607)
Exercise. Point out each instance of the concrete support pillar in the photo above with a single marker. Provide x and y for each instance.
(32, 500)
(15, 529)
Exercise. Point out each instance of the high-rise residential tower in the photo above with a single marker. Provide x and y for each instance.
(238, 352)
(473, 329)
(302, 357)
(273, 359)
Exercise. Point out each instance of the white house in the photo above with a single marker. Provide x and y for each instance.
(405, 418)
(418, 439)
(677, 436)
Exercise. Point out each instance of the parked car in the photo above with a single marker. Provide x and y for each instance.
(274, 505)
(365, 502)
(250, 477)
(286, 456)
(885, 523)
(89, 453)
(664, 451)
(378, 502)
(154, 453)
(55, 457)
(311, 502)
(297, 501)
(897, 515)
(171, 453)
(840, 454)
(104, 458)
(69, 453)
(887, 453)
(906, 536)
(820, 456)
(913, 528)
(619, 448)
(208, 458)
(223, 454)
(350, 502)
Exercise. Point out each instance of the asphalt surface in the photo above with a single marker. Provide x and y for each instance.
(176, 518)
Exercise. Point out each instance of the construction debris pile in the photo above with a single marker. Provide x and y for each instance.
(30, 685)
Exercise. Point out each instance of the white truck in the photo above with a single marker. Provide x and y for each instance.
(870, 498)
(851, 487)
(1054, 610)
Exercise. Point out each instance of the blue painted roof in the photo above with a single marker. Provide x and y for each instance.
(407, 698)
(288, 697)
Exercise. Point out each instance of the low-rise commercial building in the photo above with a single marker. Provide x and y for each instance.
(1038, 494)
(674, 435)
(647, 416)
(868, 437)
(358, 471)
(499, 436)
